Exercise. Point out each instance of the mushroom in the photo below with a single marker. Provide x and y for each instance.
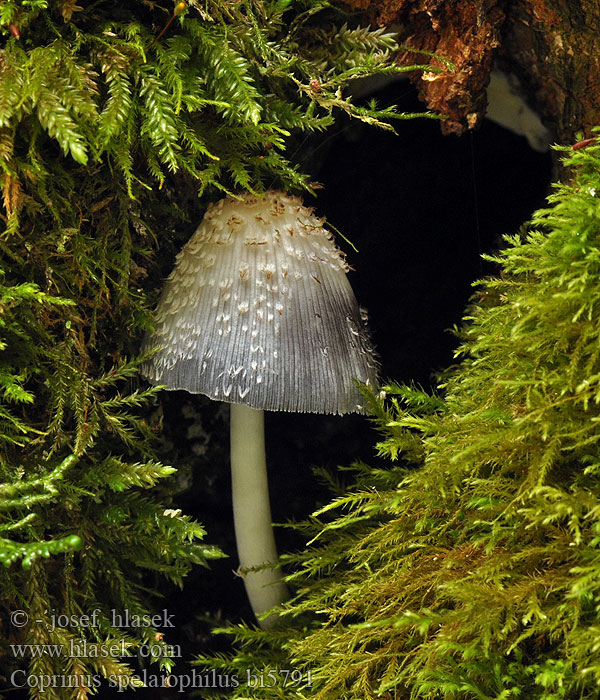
(258, 312)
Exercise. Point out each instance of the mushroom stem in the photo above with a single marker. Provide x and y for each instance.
(252, 511)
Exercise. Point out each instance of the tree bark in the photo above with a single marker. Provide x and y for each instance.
(553, 46)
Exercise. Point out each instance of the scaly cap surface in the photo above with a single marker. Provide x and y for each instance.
(258, 310)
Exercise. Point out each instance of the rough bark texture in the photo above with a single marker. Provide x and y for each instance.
(553, 46)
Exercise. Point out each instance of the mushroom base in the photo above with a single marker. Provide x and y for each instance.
(252, 512)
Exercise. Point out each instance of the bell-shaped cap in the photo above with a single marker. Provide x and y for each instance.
(258, 310)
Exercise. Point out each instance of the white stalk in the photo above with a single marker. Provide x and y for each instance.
(252, 511)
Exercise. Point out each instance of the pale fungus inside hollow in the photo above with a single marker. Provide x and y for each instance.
(258, 312)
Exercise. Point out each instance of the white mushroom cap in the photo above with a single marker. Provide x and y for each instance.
(258, 310)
